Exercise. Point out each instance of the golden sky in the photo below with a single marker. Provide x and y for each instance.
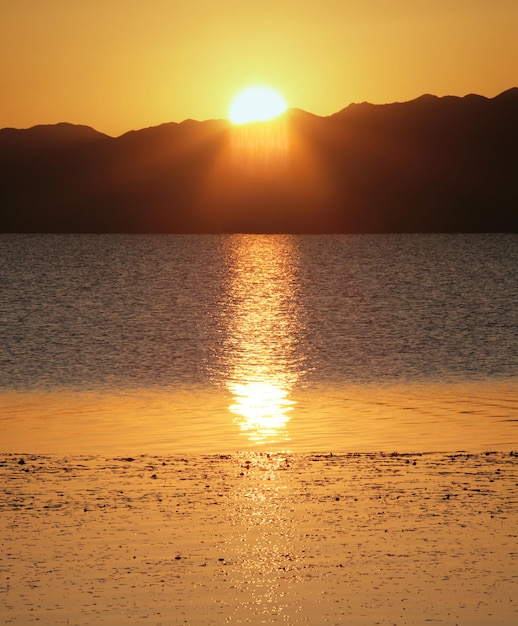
(118, 65)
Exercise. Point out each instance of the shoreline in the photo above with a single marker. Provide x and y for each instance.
(280, 538)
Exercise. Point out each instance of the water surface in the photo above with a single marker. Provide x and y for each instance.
(217, 343)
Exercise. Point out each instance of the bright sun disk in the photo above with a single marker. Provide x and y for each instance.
(256, 104)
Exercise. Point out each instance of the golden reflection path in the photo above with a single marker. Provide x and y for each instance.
(260, 363)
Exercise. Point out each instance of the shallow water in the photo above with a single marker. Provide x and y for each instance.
(216, 343)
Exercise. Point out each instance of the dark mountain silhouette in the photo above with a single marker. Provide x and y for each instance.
(430, 165)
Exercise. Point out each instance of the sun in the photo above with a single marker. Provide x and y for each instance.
(257, 103)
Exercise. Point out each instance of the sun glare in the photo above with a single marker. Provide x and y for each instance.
(256, 104)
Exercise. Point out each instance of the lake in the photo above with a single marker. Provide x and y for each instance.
(215, 343)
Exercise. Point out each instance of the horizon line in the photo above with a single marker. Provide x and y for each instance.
(289, 110)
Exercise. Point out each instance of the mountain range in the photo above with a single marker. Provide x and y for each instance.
(433, 164)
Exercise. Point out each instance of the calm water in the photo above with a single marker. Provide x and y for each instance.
(214, 343)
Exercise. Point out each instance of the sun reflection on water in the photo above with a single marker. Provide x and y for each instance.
(263, 537)
(265, 408)
(260, 364)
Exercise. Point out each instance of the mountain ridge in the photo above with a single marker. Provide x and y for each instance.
(512, 92)
(432, 164)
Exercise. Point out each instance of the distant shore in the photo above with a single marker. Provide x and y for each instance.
(260, 538)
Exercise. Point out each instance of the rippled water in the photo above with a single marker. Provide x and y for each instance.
(211, 343)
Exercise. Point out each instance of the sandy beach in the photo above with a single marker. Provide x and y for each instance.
(254, 538)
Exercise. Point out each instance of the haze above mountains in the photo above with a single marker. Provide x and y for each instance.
(429, 165)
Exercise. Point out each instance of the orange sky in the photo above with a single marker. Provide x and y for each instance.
(117, 65)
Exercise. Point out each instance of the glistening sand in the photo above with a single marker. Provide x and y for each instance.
(254, 538)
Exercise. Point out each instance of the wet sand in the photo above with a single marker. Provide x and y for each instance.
(260, 539)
